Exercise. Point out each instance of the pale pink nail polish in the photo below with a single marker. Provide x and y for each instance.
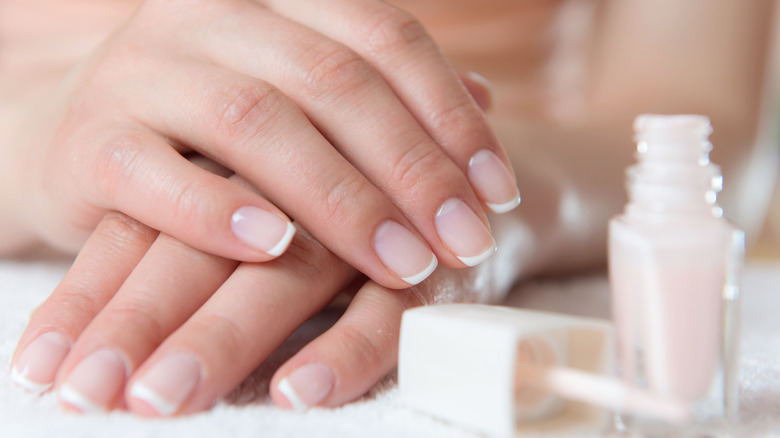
(168, 383)
(262, 230)
(95, 382)
(462, 231)
(493, 182)
(674, 269)
(37, 366)
(307, 386)
(403, 253)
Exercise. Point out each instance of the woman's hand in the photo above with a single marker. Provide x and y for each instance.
(343, 114)
(170, 329)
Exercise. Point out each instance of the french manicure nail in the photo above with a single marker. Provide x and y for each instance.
(493, 182)
(462, 231)
(262, 230)
(168, 383)
(95, 382)
(403, 253)
(487, 101)
(307, 386)
(37, 366)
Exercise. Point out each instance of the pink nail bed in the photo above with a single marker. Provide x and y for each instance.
(168, 383)
(307, 386)
(95, 382)
(493, 182)
(262, 230)
(403, 253)
(37, 366)
(464, 233)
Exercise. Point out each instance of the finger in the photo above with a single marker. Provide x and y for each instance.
(251, 314)
(345, 362)
(343, 96)
(148, 180)
(267, 140)
(81, 295)
(165, 289)
(480, 89)
(399, 47)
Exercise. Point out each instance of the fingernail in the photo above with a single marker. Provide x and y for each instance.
(95, 382)
(37, 366)
(493, 182)
(262, 230)
(462, 231)
(403, 253)
(487, 97)
(168, 383)
(307, 386)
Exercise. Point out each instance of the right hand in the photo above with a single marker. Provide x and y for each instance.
(170, 330)
(343, 114)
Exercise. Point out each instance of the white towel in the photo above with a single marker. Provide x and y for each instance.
(247, 412)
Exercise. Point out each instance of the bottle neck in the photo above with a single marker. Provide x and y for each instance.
(673, 177)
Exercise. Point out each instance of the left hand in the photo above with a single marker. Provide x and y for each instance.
(170, 329)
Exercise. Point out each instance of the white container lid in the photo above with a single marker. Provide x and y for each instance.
(458, 362)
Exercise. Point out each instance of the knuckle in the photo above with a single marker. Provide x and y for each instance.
(454, 117)
(334, 68)
(140, 319)
(344, 198)
(364, 349)
(245, 110)
(187, 202)
(392, 30)
(415, 166)
(307, 258)
(75, 302)
(122, 230)
(116, 162)
(229, 339)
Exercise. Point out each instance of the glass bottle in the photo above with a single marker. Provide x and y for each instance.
(674, 268)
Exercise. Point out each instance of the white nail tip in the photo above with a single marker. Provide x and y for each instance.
(288, 391)
(477, 259)
(18, 379)
(160, 404)
(425, 273)
(78, 400)
(505, 207)
(284, 242)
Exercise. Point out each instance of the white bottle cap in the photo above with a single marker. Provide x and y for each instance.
(459, 362)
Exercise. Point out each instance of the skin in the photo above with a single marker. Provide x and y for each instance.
(566, 137)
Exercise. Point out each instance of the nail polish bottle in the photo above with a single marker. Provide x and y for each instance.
(504, 371)
(674, 269)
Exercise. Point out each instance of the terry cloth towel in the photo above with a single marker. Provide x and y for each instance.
(247, 412)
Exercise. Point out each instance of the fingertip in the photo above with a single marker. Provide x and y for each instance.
(504, 207)
(425, 273)
(35, 368)
(493, 181)
(284, 242)
(305, 387)
(140, 407)
(165, 386)
(480, 89)
(262, 230)
(350, 358)
(403, 253)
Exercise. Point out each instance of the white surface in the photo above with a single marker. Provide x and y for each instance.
(248, 412)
